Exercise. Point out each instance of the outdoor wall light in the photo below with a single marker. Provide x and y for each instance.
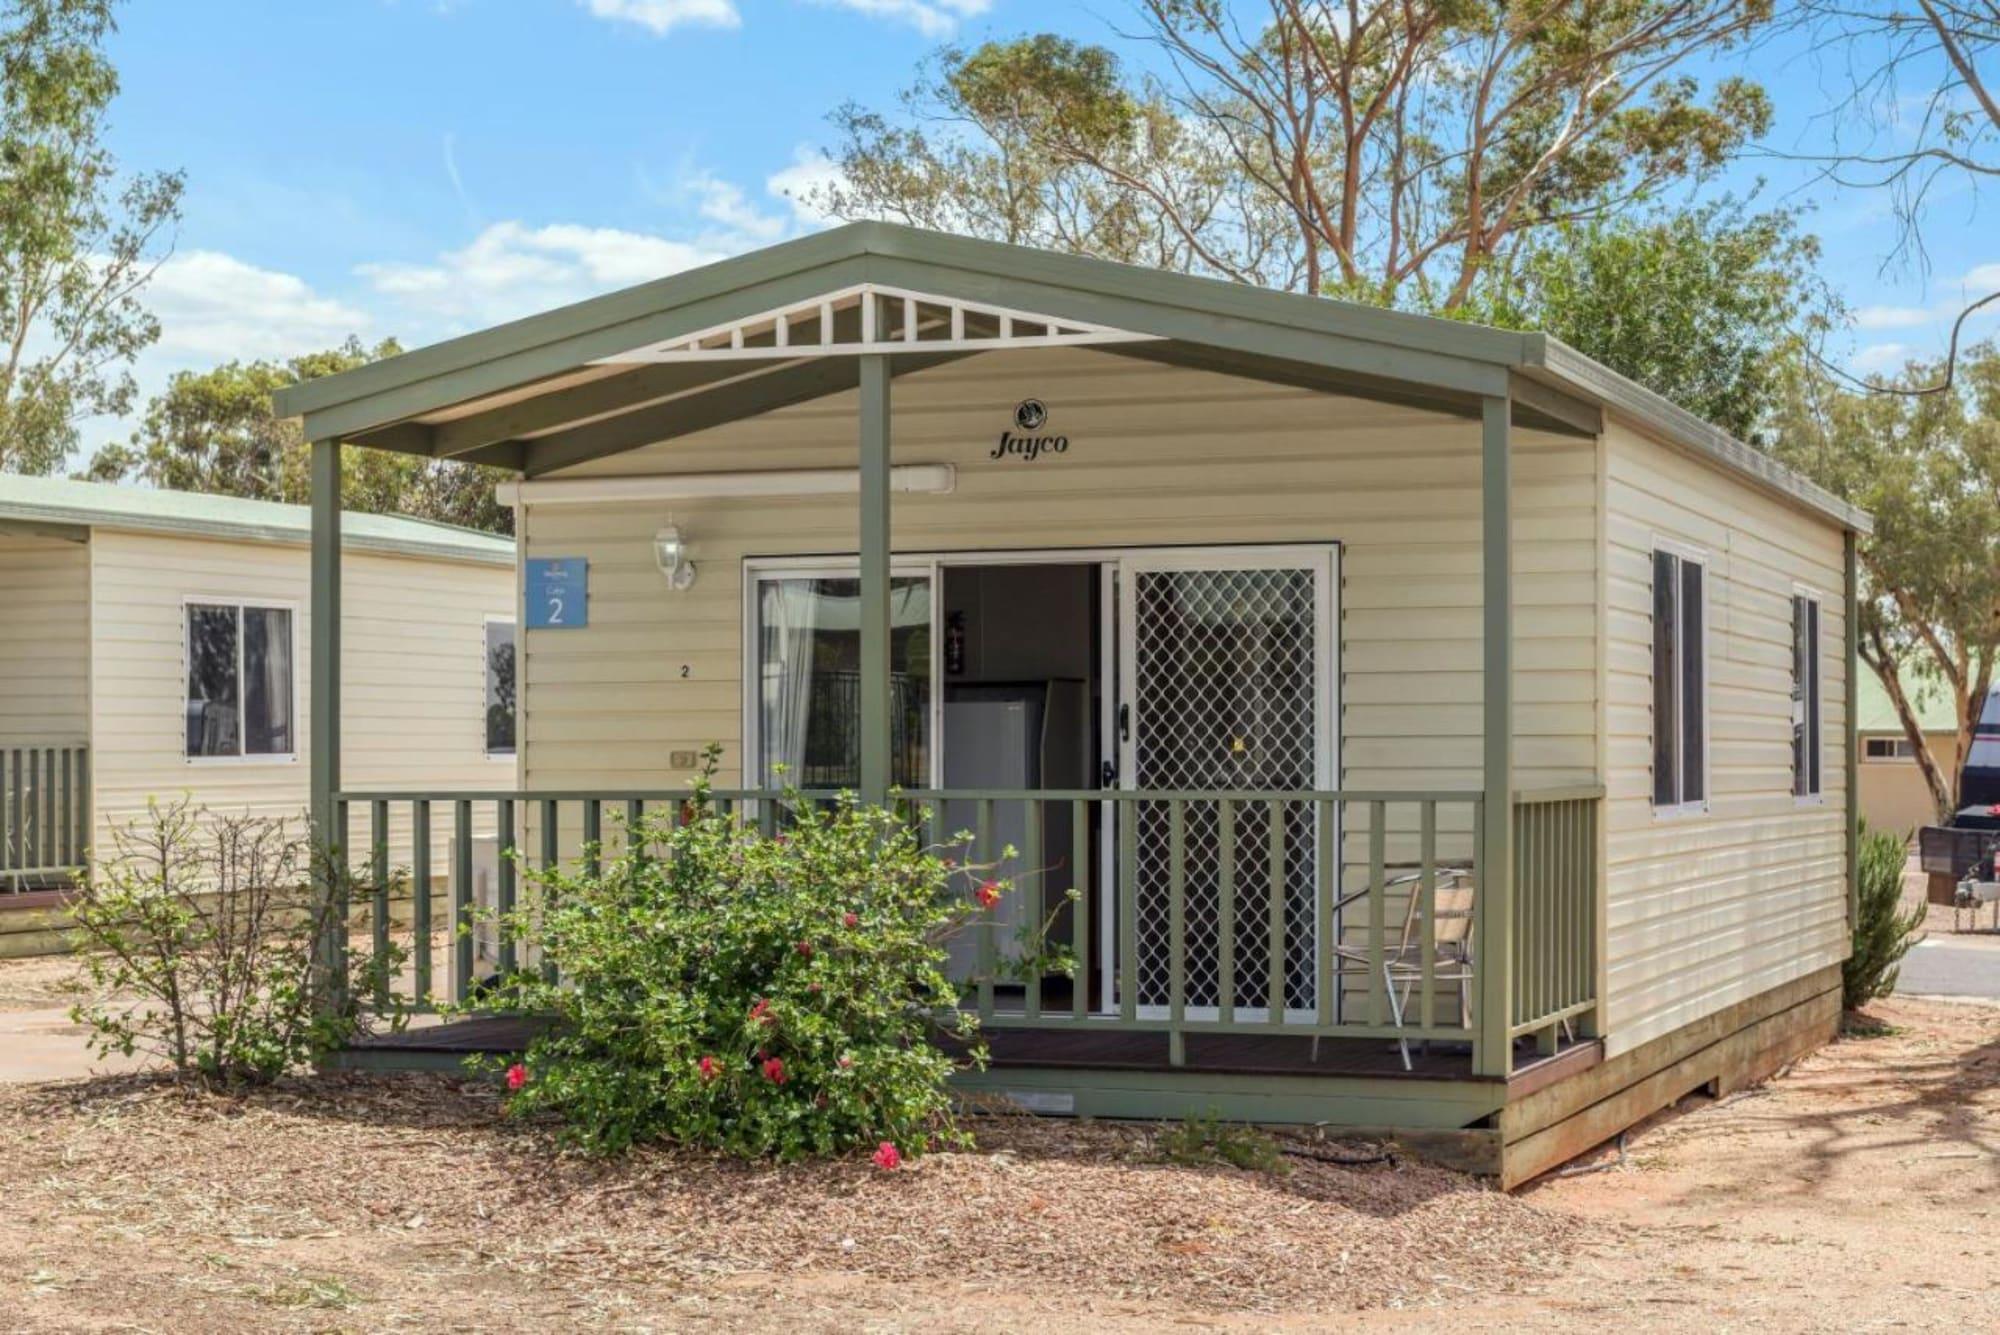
(670, 551)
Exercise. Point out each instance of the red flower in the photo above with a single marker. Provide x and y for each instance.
(774, 1070)
(888, 1157)
(846, 1062)
(850, 920)
(709, 1068)
(761, 1012)
(804, 948)
(517, 1076)
(988, 894)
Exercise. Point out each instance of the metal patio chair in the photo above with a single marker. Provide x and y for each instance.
(1403, 963)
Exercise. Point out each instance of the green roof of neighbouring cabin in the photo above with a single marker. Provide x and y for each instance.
(544, 393)
(1874, 713)
(63, 501)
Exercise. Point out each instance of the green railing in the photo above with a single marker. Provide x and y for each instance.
(1555, 913)
(44, 813)
(1317, 914)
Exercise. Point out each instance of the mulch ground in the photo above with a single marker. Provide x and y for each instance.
(353, 1201)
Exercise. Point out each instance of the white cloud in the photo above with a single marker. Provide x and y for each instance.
(1893, 317)
(213, 307)
(660, 17)
(933, 18)
(799, 184)
(511, 269)
(1880, 357)
(724, 203)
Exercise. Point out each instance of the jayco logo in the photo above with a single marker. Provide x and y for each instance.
(1029, 415)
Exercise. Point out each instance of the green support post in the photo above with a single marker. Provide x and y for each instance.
(324, 741)
(1494, 908)
(875, 724)
(1851, 726)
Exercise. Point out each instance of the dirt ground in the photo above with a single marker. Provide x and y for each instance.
(1857, 1191)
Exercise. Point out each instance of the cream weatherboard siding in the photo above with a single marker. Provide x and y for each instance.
(1712, 908)
(1158, 456)
(44, 642)
(413, 702)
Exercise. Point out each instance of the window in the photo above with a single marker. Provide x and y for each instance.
(1888, 748)
(239, 681)
(499, 688)
(808, 653)
(1680, 682)
(1805, 697)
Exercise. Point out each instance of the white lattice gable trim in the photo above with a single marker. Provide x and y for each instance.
(870, 317)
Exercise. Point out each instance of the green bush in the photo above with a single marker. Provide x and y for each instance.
(198, 933)
(1883, 931)
(761, 996)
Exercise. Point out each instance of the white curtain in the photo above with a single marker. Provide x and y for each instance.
(790, 613)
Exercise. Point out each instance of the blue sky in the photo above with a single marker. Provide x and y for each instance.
(423, 167)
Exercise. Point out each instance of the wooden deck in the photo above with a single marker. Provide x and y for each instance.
(444, 1046)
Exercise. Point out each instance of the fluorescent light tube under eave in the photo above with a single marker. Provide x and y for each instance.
(924, 479)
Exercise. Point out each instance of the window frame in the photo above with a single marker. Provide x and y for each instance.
(486, 625)
(241, 602)
(756, 570)
(1900, 750)
(1684, 554)
(1814, 793)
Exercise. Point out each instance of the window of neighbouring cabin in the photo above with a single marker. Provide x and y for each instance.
(240, 681)
(500, 688)
(1805, 697)
(1887, 748)
(1680, 681)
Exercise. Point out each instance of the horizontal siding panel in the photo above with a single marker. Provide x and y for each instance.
(1159, 457)
(1711, 909)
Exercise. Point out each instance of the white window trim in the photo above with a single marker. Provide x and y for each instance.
(1689, 553)
(1818, 599)
(485, 626)
(240, 601)
(1898, 739)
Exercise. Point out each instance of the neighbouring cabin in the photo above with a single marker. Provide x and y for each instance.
(1441, 734)
(157, 646)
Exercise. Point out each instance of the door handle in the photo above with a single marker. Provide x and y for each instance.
(1124, 723)
(1107, 775)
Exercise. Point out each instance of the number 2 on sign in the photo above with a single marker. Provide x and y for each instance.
(555, 611)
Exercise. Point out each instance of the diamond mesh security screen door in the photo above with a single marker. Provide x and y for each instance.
(1227, 670)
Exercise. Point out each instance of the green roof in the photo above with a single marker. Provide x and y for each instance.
(1931, 700)
(55, 500)
(474, 397)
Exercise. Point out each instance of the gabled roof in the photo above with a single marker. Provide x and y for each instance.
(1874, 713)
(61, 501)
(551, 390)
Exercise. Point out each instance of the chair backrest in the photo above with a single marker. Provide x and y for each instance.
(1453, 907)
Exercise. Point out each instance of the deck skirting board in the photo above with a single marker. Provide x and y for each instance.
(1729, 1050)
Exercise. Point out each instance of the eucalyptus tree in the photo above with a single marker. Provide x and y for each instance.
(1392, 150)
(78, 240)
(1927, 466)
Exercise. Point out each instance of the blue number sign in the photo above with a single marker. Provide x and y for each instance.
(558, 593)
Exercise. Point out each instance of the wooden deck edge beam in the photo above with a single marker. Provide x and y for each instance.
(1735, 1061)
(1562, 1099)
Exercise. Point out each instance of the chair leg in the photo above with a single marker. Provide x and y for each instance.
(1396, 1009)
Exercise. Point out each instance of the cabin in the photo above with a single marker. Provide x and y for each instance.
(1443, 735)
(157, 645)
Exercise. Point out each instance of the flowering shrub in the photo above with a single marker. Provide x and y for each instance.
(762, 996)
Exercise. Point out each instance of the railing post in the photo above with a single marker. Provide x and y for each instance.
(1494, 908)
